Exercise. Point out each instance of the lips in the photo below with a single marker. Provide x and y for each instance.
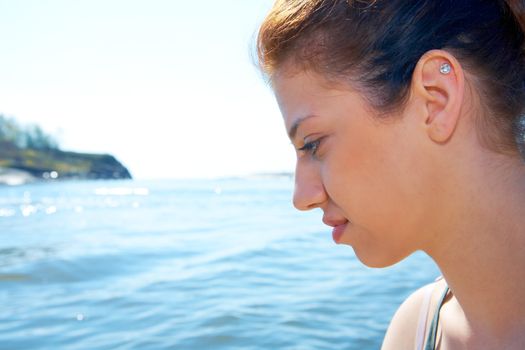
(339, 227)
(338, 231)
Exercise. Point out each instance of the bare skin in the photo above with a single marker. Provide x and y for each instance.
(420, 180)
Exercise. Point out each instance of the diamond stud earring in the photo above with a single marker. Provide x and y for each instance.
(445, 68)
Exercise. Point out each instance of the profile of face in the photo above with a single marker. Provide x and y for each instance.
(371, 176)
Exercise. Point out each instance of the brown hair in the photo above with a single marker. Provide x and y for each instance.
(375, 45)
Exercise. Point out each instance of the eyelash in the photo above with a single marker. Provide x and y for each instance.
(311, 147)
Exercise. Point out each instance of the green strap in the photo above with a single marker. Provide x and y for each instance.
(432, 333)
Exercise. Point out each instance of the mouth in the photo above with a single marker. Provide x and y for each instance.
(339, 227)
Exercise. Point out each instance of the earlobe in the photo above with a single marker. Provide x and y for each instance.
(439, 82)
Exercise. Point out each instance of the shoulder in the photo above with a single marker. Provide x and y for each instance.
(401, 333)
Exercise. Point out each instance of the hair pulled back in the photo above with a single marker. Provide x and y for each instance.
(375, 46)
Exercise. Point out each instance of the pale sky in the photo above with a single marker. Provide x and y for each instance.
(166, 86)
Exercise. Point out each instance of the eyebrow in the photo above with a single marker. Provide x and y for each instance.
(296, 124)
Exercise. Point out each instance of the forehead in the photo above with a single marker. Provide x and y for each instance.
(304, 93)
(299, 93)
(303, 82)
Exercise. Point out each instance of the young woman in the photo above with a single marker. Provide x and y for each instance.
(408, 119)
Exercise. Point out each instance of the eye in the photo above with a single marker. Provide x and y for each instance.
(311, 147)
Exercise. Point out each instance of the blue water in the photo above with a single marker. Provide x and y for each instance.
(201, 264)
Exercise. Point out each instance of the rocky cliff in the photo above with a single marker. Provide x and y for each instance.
(57, 164)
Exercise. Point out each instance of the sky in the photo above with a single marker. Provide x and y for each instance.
(168, 87)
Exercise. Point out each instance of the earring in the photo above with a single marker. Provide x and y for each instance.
(445, 68)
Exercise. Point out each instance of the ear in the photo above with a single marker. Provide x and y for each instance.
(439, 92)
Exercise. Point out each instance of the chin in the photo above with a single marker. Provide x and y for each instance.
(376, 259)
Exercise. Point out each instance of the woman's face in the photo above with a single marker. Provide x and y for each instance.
(365, 172)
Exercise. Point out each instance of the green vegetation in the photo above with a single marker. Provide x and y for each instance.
(30, 149)
(24, 137)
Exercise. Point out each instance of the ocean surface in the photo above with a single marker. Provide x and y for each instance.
(185, 264)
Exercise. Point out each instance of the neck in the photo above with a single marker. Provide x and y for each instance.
(479, 247)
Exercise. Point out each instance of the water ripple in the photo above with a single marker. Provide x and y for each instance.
(216, 264)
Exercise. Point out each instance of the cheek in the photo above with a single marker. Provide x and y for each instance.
(369, 187)
(359, 182)
(370, 178)
(356, 168)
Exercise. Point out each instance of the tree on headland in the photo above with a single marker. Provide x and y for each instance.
(25, 137)
(28, 148)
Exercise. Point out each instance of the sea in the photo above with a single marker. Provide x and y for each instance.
(186, 264)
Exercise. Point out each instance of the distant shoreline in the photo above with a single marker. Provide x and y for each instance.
(269, 175)
(24, 165)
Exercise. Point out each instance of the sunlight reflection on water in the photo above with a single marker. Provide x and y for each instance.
(215, 264)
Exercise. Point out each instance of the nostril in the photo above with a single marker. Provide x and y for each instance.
(308, 200)
(298, 205)
(309, 192)
(300, 201)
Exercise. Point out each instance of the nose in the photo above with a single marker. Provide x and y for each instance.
(309, 190)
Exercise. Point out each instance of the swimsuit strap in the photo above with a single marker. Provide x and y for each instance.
(432, 333)
(423, 316)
